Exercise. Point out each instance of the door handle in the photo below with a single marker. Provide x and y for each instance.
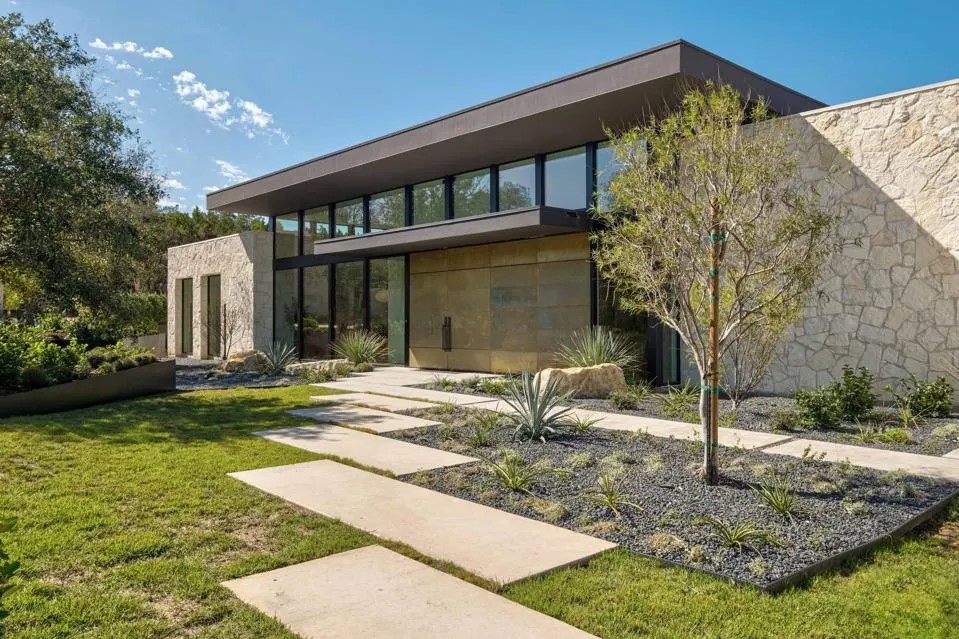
(447, 333)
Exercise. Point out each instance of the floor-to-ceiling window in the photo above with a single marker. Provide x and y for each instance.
(286, 307)
(388, 304)
(316, 312)
(316, 226)
(388, 210)
(517, 185)
(429, 202)
(566, 179)
(349, 218)
(286, 235)
(471, 193)
(214, 318)
(186, 316)
(349, 292)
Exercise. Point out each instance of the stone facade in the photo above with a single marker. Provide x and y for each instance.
(244, 263)
(891, 302)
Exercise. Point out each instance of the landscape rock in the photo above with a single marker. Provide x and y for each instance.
(245, 362)
(586, 381)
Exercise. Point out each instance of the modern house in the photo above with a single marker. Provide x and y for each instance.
(464, 240)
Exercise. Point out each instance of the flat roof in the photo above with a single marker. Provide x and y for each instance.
(558, 114)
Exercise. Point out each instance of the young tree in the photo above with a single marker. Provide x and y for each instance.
(713, 191)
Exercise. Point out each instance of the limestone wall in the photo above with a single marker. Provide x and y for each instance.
(244, 264)
(892, 303)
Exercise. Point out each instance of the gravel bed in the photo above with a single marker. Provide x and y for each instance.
(200, 377)
(936, 436)
(841, 506)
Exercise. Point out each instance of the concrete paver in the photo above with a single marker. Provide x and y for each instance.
(953, 454)
(491, 543)
(880, 459)
(370, 450)
(361, 386)
(359, 417)
(379, 402)
(375, 593)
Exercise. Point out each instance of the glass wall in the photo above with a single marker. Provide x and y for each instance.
(429, 202)
(565, 177)
(186, 316)
(349, 218)
(286, 307)
(388, 210)
(471, 193)
(316, 226)
(388, 304)
(349, 297)
(286, 236)
(632, 325)
(517, 185)
(214, 322)
(316, 312)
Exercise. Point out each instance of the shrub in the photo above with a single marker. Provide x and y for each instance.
(363, 367)
(623, 399)
(820, 407)
(493, 385)
(360, 347)
(597, 345)
(927, 399)
(536, 409)
(515, 474)
(279, 355)
(855, 393)
(608, 494)
(868, 435)
(678, 400)
(120, 357)
(742, 535)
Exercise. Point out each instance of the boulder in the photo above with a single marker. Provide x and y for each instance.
(328, 365)
(587, 381)
(245, 362)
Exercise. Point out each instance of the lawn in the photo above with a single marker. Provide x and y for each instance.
(128, 523)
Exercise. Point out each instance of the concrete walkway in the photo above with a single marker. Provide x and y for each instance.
(375, 387)
(379, 402)
(396, 456)
(377, 421)
(491, 543)
(375, 593)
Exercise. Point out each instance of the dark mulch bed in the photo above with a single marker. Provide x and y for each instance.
(205, 377)
(841, 506)
(931, 437)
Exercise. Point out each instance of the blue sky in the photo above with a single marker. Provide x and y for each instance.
(222, 91)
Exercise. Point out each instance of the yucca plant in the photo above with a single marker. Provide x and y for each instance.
(779, 495)
(742, 535)
(582, 425)
(536, 410)
(360, 347)
(607, 493)
(597, 345)
(485, 423)
(279, 355)
(515, 474)
(678, 400)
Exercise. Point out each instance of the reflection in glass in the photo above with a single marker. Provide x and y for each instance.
(388, 304)
(471, 193)
(316, 312)
(565, 178)
(429, 202)
(316, 226)
(286, 307)
(387, 210)
(286, 235)
(349, 297)
(632, 325)
(517, 185)
(186, 316)
(349, 218)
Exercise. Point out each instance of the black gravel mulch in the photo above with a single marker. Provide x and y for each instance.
(840, 507)
(205, 377)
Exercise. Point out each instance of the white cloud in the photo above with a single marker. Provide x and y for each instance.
(176, 173)
(210, 189)
(217, 105)
(172, 183)
(132, 47)
(123, 65)
(231, 171)
(133, 92)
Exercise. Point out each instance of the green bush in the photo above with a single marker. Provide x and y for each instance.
(129, 315)
(855, 393)
(119, 357)
(927, 399)
(360, 347)
(623, 399)
(820, 407)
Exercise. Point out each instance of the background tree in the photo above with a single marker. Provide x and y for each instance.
(70, 169)
(711, 229)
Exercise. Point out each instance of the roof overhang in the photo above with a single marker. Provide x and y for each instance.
(559, 114)
(536, 221)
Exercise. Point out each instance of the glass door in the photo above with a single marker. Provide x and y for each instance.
(214, 327)
(186, 316)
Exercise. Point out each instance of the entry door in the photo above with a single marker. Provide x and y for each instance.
(456, 303)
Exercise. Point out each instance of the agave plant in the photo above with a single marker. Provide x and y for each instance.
(515, 474)
(360, 347)
(597, 345)
(536, 409)
(742, 535)
(607, 493)
(279, 355)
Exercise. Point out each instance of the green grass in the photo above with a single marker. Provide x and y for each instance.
(128, 522)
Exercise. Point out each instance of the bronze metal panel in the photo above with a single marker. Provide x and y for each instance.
(428, 300)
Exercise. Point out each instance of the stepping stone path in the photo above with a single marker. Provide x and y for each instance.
(880, 459)
(358, 417)
(952, 454)
(375, 593)
(379, 402)
(496, 545)
(396, 456)
(362, 386)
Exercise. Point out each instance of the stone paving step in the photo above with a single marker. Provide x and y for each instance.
(396, 456)
(362, 386)
(377, 421)
(375, 593)
(398, 376)
(953, 454)
(877, 458)
(493, 544)
(379, 402)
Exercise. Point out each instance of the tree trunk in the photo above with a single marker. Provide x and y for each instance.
(710, 462)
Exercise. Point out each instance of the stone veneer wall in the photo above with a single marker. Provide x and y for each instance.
(892, 303)
(244, 263)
